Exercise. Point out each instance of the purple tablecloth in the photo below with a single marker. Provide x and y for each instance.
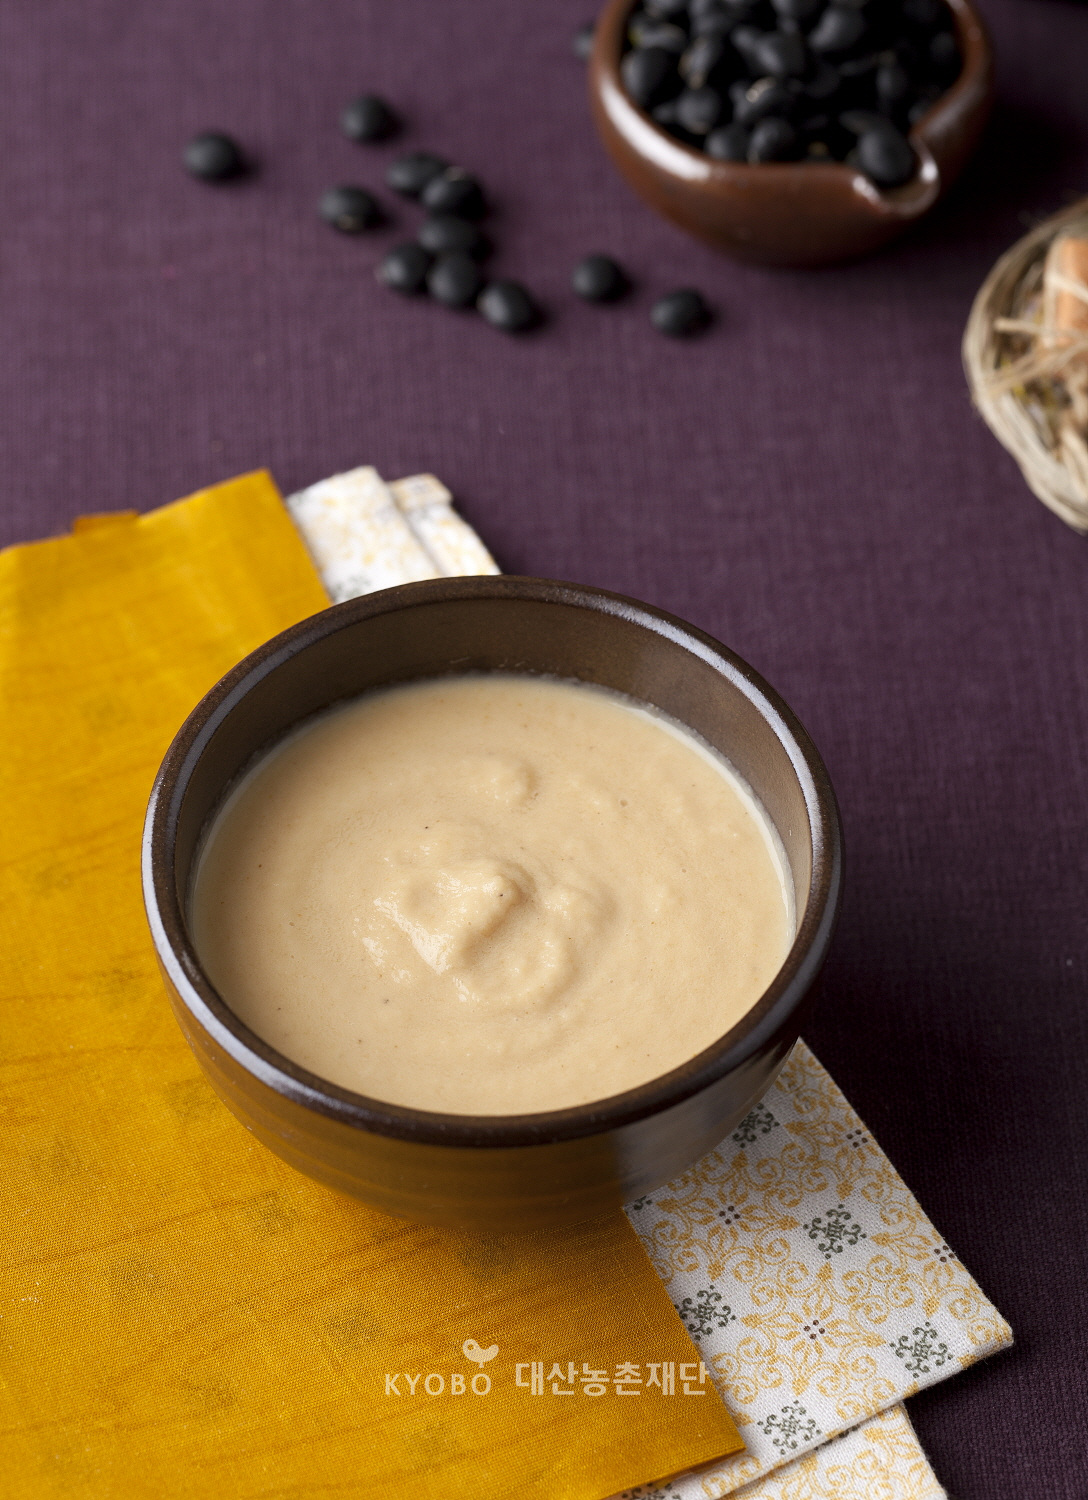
(807, 482)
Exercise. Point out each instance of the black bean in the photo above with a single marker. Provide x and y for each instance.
(507, 305)
(839, 30)
(454, 192)
(714, 23)
(405, 269)
(781, 54)
(368, 118)
(824, 84)
(764, 97)
(443, 234)
(598, 278)
(664, 10)
(649, 74)
(698, 110)
(859, 68)
(773, 139)
(858, 121)
(214, 157)
(699, 62)
(744, 10)
(349, 209)
(886, 157)
(646, 33)
(746, 39)
(893, 86)
(582, 41)
(924, 103)
(728, 143)
(798, 10)
(680, 314)
(455, 280)
(909, 56)
(410, 174)
(944, 57)
(923, 15)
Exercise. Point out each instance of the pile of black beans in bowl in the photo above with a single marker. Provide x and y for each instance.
(793, 80)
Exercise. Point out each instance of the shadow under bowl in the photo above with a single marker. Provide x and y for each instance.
(491, 1172)
(788, 213)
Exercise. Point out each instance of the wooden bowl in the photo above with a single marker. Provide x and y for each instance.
(788, 213)
(495, 1171)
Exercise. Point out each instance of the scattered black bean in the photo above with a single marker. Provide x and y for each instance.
(368, 118)
(213, 157)
(455, 280)
(582, 42)
(349, 209)
(453, 192)
(710, 71)
(507, 305)
(680, 314)
(598, 278)
(410, 174)
(405, 269)
(444, 234)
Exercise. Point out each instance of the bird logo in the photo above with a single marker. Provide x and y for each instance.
(471, 1350)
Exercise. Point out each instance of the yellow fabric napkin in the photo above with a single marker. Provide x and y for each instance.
(180, 1313)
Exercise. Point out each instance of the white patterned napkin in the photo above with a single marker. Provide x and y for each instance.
(364, 534)
(818, 1292)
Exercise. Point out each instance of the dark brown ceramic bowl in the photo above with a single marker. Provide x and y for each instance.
(508, 1172)
(788, 213)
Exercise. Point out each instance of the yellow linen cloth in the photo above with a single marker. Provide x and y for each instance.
(181, 1315)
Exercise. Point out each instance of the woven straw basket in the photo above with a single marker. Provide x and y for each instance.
(1017, 384)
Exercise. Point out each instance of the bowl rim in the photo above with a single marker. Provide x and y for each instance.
(751, 1035)
(909, 200)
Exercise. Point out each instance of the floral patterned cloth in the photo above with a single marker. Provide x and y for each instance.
(817, 1290)
(880, 1459)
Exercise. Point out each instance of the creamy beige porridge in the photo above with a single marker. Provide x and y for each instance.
(491, 895)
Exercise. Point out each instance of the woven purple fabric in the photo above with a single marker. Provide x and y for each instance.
(807, 482)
